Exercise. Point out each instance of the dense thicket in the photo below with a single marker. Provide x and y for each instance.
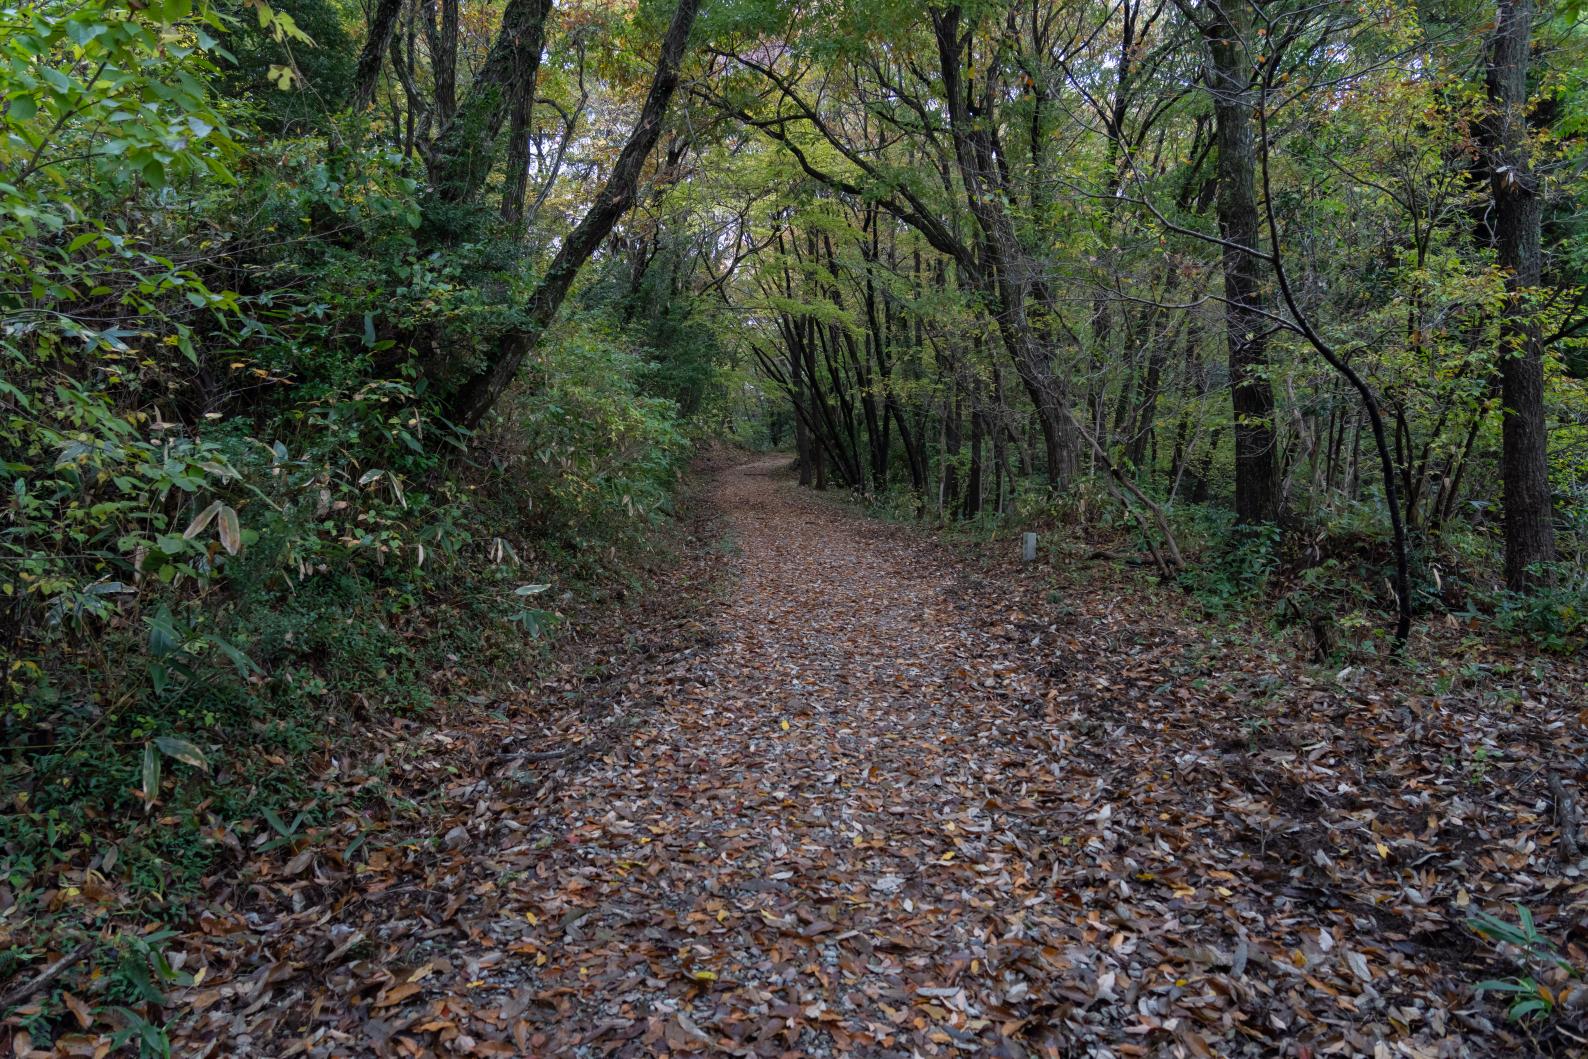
(263, 269)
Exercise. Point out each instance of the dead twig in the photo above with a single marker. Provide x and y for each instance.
(1566, 818)
(20, 994)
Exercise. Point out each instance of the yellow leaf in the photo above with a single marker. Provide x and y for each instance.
(1383, 850)
(784, 724)
(703, 976)
(533, 921)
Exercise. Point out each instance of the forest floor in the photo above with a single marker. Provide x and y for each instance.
(858, 794)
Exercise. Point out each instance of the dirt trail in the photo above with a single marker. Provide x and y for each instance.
(818, 821)
(892, 808)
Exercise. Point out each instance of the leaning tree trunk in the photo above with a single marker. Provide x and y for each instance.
(382, 23)
(1524, 459)
(476, 397)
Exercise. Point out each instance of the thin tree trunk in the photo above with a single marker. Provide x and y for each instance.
(973, 481)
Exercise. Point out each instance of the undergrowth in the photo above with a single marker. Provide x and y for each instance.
(1327, 577)
(222, 566)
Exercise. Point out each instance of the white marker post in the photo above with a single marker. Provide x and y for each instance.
(1028, 547)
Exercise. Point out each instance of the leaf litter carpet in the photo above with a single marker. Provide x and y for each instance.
(893, 808)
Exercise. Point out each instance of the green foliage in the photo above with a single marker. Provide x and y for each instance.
(1528, 997)
(1237, 564)
(1554, 615)
(234, 518)
(322, 74)
(591, 451)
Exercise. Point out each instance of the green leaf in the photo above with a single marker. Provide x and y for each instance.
(201, 520)
(182, 750)
(231, 533)
(276, 822)
(1523, 1008)
(1496, 985)
(163, 638)
(244, 664)
(151, 776)
(56, 80)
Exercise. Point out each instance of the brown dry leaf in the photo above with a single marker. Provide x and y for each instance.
(842, 790)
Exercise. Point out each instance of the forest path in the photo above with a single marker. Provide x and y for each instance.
(880, 799)
(831, 831)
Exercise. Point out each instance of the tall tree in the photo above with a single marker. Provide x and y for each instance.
(1518, 212)
(382, 26)
(477, 396)
(1227, 28)
(1004, 270)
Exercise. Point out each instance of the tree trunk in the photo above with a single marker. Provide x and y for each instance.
(466, 148)
(1524, 459)
(1008, 279)
(973, 482)
(443, 44)
(479, 394)
(515, 185)
(1000, 453)
(382, 24)
(803, 449)
(1256, 476)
